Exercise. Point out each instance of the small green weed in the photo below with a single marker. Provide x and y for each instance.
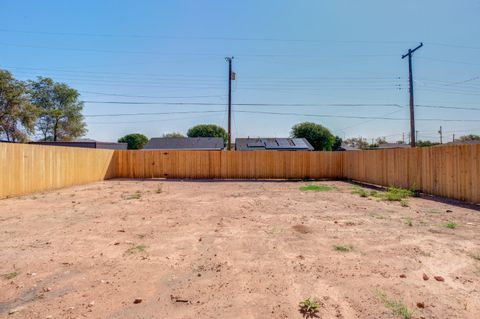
(10, 275)
(359, 191)
(377, 216)
(450, 225)
(343, 248)
(404, 203)
(159, 190)
(475, 256)
(398, 308)
(308, 307)
(425, 253)
(136, 249)
(136, 195)
(408, 222)
(397, 194)
(317, 188)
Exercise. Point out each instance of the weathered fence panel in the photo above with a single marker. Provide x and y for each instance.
(228, 165)
(33, 168)
(449, 171)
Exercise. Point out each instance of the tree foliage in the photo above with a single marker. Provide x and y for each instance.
(358, 142)
(17, 115)
(426, 143)
(60, 110)
(207, 130)
(470, 137)
(317, 135)
(337, 143)
(173, 134)
(135, 141)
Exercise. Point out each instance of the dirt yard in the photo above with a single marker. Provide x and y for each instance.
(183, 249)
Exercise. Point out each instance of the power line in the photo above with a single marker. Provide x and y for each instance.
(284, 104)
(357, 117)
(152, 97)
(153, 121)
(149, 113)
(248, 104)
(176, 54)
(258, 39)
(279, 113)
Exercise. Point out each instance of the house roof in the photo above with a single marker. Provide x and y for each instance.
(272, 144)
(345, 147)
(474, 142)
(391, 145)
(85, 143)
(185, 143)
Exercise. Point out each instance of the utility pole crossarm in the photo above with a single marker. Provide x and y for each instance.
(411, 51)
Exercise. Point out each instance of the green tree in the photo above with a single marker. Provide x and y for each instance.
(317, 135)
(470, 137)
(337, 143)
(60, 110)
(135, 141)
(208, 130)
(426, 143)
(358, 142)
(173, 134)
(17, 115)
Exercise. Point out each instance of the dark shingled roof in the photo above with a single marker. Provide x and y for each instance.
(185, 143)
(272, 144)
(391, 145)
(85, 143)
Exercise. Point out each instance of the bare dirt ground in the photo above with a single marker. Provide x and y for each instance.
(188, 249)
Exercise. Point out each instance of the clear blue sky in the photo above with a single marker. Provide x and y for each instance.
(313, 52)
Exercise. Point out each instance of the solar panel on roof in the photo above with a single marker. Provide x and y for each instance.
(271, 144)
(299, 143)
(283, 142)
(255, 143)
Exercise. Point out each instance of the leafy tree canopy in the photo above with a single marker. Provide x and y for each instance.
(337, 143)
(470, 137)
(17, 115)
(173, 134)
(135, 141)
(317, 135)
(358, 142)
(60, 110)
(426, 143)
(207, 130)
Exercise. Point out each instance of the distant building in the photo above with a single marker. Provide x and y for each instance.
(457, 142)
(345, 147)
(185, 143)
(387, 146)
(272, 144)
(85, 143)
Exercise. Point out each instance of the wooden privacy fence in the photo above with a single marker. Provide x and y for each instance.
(450, 171)
(35, 168)
(228, 165)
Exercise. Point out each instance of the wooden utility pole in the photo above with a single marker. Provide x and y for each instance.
(412, 102)
(441, 135)
(230, 78)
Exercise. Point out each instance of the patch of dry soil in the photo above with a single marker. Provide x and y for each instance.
(193, 249)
